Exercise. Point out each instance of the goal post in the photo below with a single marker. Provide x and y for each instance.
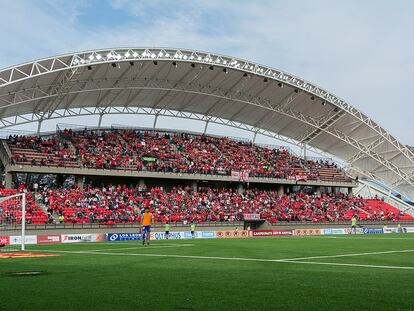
(13, 222)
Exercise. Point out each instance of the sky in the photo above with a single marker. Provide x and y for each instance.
(361, 50)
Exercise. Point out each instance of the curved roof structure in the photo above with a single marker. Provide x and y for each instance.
(206, 87)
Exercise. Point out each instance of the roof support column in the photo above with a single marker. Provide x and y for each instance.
(8, 179)
(304, 151)
(100, 120)
(39, 126)
(155, 122)
(254, 136)
(205, 128)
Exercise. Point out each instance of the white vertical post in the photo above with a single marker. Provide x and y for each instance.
(100, 120)
(304, 152)
(23, 219)
(39, 126)
(205, 128)
(155, 122)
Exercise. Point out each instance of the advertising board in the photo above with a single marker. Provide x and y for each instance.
(207, 234)
(373, 230)
(48, 239)
(4, 240)
(28, 239)
(301, 232)
(250, 216)
(330, 231)
(78, 238)
(183, 235)
(172, 235)
(232, 234)
(260, 233)
(129, 236)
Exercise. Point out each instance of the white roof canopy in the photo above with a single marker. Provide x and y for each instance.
(208, 87)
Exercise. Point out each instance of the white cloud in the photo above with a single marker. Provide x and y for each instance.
(361, 50)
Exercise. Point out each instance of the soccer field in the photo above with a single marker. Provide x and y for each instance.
(285, 273)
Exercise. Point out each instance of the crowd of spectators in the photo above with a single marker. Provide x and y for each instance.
(11, 208)
(165, 152)
(122, 204)
(42, 151)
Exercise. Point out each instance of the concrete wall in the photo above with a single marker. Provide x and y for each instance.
(159, 175)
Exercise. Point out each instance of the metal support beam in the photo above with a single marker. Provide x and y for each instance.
(304, 151)
(154, 126)
(39, 126)
(205, 90)
(100, 120)
(46, 66)
(205, 127)
(269, 107)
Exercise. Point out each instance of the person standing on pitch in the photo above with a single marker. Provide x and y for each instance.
(146, 226)
(353, 224)
(167, 230)
(192, 227)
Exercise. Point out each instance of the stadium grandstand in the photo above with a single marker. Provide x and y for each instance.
(181, 214)
(92, 174)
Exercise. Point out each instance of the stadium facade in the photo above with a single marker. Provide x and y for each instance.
(205, 87)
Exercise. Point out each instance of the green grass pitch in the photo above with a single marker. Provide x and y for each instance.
(376, 273)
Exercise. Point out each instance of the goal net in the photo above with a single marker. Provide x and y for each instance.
(12, 222)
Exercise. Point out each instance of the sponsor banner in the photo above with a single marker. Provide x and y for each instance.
(240, 176)
(373, 230)
(183, 235)
(408, 229)
(207, 234)
(28, 239)
(188, 235)
(235, 175)
(251, 216)
(4, 240)
(48, 239)
(385, 229)
(130, 236)
(307, 232)
(357, 230)
(259, 233)
(77, 238)
(232, 234)
(172, 235)
(334, 231)
(302, 177)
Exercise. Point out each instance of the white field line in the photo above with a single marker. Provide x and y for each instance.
(348, 265)
(292, 261)
(138, 242)
(350, 255)
(357, 238)
(140, 247)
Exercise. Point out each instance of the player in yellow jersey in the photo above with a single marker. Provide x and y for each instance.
(146, 223)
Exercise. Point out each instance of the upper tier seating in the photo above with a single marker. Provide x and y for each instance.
(161, 152)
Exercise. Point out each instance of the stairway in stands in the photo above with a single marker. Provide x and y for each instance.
(44, 208)
(71, 147)
(363, 215)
